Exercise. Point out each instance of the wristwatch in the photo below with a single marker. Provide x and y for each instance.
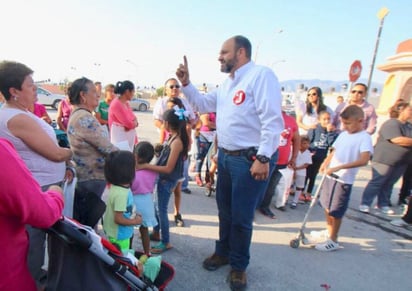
(263, 159)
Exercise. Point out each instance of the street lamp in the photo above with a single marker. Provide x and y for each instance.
(136, 67)
(381, 15)
(257, 47)
(277, 62)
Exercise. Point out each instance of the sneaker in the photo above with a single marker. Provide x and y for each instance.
(214, 262)
(327, 246)
(267, 212)
(281, 208)
(238, 280)
(187, 191)
(399, 222)
(293, 205)
(364, 208)
(179, 221)
(387, 210)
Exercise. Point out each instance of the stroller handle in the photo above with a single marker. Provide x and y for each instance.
(64, 229)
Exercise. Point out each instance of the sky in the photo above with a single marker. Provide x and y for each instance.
(145, 40)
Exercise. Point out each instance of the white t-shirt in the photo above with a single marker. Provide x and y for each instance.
(303, 158)
(348, 148)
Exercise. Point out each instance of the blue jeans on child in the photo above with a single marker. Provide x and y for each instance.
(237, 196)
(164, 190)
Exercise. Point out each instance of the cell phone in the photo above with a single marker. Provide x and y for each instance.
(251, 154)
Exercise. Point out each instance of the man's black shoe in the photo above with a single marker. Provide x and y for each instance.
(267, 212)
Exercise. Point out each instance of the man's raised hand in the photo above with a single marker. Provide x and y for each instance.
(182, 72)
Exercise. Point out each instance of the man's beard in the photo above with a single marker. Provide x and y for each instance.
(228, 65)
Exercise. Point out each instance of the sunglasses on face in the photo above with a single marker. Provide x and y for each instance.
(174, 86)
(313, 94)
(356, 91)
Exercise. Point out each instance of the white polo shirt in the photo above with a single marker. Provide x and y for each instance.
(161, 106)
(248, 109)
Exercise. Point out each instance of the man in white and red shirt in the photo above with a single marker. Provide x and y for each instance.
(249, 122)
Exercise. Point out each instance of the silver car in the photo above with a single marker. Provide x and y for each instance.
(139, 104)
(49, 99)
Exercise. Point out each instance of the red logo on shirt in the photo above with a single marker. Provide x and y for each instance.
(239, 97)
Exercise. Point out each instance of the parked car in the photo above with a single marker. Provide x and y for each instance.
(49, 99)
(139, 104)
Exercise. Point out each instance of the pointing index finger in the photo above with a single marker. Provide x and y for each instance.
(185, 61)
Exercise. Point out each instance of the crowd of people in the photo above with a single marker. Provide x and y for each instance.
(260, 152)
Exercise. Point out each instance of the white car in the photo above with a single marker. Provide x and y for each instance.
(49, 99)
(139, 104)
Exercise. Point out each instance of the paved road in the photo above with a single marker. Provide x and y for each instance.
(374, 254)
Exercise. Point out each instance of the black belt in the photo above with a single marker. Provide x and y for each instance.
(245, 152)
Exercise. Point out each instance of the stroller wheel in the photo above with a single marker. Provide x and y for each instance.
(294, 243)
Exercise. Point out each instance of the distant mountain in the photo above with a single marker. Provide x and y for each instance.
(327, 86)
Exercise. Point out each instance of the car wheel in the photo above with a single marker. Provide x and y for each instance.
(142, 107)
(56, 103)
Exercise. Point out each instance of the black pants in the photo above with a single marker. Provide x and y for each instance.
(270, 190)
(408, 215)
(311, 173)
(406, 184)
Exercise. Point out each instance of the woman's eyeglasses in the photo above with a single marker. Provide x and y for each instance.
(174, 86)
(356, 91)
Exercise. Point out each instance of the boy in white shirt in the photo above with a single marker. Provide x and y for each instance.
(351, 150)
(303, 160)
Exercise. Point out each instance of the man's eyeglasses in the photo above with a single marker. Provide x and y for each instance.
(174, 86)
(356, 91)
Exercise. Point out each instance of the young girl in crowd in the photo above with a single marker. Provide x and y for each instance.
(321, 139)
(120, 216)
(303, 160)
(143, 188)
(170, 168)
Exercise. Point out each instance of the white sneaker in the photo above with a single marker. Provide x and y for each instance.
(364, 208)
(399, 222)
(387, 210)
(327, 246)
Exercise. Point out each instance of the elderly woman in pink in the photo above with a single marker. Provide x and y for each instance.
(21, 202)
(122, 121)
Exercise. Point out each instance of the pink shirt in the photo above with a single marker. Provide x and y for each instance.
(21, 202)
(286, 137)
(121, 114)
(39, 110)
(144, 182)
(66, 109)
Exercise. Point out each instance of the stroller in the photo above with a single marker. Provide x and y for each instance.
(79, 259)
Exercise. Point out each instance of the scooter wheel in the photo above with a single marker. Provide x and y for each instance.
(294, 243)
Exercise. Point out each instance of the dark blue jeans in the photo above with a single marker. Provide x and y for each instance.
(237, 196)
(164, 190)
(202, 149)
(381, 184)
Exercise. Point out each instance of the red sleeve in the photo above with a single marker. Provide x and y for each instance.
(20, 194)
(121, 114)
